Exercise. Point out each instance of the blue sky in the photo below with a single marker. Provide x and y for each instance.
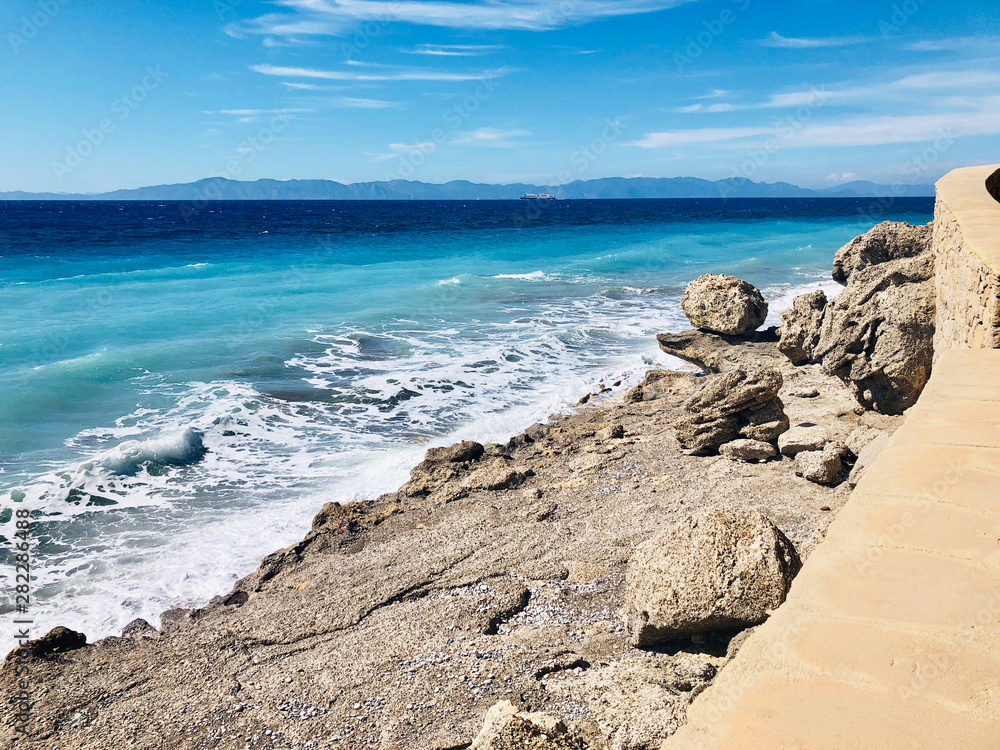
(98, 95)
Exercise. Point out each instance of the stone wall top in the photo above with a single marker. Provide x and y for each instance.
(975, 209)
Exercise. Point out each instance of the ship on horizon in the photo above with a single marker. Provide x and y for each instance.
(538, 197)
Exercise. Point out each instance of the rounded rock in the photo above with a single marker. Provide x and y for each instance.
(724, 304)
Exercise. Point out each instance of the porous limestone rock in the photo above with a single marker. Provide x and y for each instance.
(640, 701)
(735, 404)
(466, 450)
(823, 466)
(507, 729)
(806, 437)
(660, 384)
(59, 640)
(724, 304)
(800, 327)
(876, 335)
(888, 241)
(748, 450)
(719, 569)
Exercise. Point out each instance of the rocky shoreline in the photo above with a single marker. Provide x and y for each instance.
(486, 603)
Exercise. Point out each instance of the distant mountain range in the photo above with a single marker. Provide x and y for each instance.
(219, 188)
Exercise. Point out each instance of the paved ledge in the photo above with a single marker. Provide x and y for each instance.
(976, 211)
(890, 637)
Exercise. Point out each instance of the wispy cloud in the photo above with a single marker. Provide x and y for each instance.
(254, 115)
(298, 86)
(330, 17)
(853, 131)
(722, 107)
(377, 74)
(495, 137)
(956, 43)
(777, 40)
(401, 149)
(702, 135)
(351, 102)
(454, 50)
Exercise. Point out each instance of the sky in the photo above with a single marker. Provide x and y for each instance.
(97, 95)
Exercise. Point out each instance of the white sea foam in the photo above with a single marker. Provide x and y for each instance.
(781, 296)
(533, 276)
(168, 506)
(171, 504)
(179, 448)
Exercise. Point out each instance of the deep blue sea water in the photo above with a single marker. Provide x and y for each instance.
(182, 387)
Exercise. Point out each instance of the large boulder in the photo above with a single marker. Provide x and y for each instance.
(724, 304)
(733, 405)
(876, 335)
(507, 729)
(717, 570)
(888, 241)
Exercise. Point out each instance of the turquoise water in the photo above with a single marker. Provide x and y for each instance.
(181, 391)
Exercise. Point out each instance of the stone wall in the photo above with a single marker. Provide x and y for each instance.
(967, 247)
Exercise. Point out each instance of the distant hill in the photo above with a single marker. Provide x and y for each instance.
(219, 188)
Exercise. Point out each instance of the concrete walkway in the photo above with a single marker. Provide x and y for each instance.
(890, 637)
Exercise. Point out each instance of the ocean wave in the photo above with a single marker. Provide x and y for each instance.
(155, 455)
(533, 276)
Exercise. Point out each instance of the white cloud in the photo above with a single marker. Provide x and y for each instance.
(395, 74)
(310, 86)
(454, 50)
(841, 178)
(702, 135)
(707, 108)
(398, 149)
(331, 17)
(351, 102)
(854, 131)
(955, 43)
(777, 40)
(491, 137)
(951, 79)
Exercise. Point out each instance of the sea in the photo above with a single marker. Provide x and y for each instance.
(183, 386)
